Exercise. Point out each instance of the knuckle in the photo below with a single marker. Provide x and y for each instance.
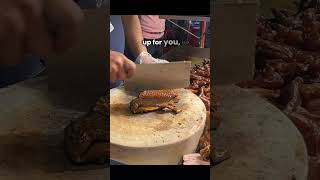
(119, 61)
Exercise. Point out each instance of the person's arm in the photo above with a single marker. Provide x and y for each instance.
(133, 33)
(134, 38)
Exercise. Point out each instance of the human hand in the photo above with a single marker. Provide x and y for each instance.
(146, 58)
(37, 27)
(121, 68)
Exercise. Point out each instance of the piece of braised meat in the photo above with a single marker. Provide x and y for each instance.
(154, 100)
(87, 138)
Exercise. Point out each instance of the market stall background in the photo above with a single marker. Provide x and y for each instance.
(286, 65)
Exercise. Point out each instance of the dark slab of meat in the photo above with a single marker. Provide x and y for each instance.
(87, 138)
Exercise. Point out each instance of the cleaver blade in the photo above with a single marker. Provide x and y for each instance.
(173, 75)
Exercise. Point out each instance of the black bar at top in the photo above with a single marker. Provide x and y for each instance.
(159, 7)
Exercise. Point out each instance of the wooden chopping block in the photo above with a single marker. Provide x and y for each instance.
(157, 137)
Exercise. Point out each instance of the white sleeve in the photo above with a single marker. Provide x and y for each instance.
(111, 27)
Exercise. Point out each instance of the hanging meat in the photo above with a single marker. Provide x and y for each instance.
(200, 82)
(200, 85)
(288, 70)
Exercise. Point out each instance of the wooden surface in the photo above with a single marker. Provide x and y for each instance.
(264, 143)
(31, 136)
(155, 137)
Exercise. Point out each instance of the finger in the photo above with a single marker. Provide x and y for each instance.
(113, 72)
(129, 67)
(13, 28)
(117, 62)
(131, 70)
(121, 74)
(65, 18)
(39, 41)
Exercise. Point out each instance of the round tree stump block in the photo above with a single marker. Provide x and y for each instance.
(156, 137)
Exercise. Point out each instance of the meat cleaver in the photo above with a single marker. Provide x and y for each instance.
(171, 75)
(78, 77)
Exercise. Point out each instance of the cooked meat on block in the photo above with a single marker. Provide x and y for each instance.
(166, 93)
(153, 100)
(87, 138)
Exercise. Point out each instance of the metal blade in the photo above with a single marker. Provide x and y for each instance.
(78, 77)
(160, 76)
